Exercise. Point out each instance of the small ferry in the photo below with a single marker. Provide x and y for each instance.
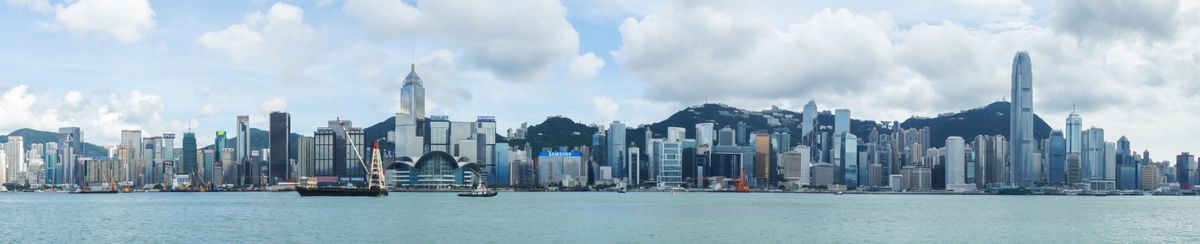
(481, 191)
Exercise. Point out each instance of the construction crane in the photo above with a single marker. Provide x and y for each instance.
(376, 174)
(741, 182)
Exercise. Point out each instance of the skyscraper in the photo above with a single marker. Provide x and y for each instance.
(304, 156)
(616, 149)
(1020, 137)
(131, 162)
(218, 146)
(189, 154)
(281, 129)
(850, 160)
(955, 161)
(1074, 133)
(1057, 151)
(1184, 173)
(809, 123)
(762, 156)
(841, 122)
(70, 143)
(705, 133)
(412, 95)
(242, 149)
(16, 157)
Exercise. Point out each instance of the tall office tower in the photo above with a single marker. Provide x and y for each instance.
(1184, 173)
(850, 160)
(616, 150)
(339, 149)
(809, 123)
(323, 152)
(726, 136)
(3, 164)
(16, 156)
(210, 160)
(706, 133)
(281, 129)
(1074, 133)
(676, 134)
(670, 173)
(955, 161)
(218, 147)
(133, 158)
(762, 156)
(304, 156)
(1021, 141)
(242, 149)
(796, 166)
(70, 143)
(742, 137)
(151, 170)
(599, 158)
(1093, 154)
(1123, 152)
(1110, 161)
(633, 170)
(189, 154)
(841, 121)
(412, 95)
(168, 144)
(53, 164)
(1057, 155)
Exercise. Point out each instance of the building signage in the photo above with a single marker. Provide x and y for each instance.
(560, 154)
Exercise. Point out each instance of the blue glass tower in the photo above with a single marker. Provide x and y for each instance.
(1057, 157)
(1021, 121)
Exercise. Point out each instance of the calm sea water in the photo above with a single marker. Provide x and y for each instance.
(593, 218)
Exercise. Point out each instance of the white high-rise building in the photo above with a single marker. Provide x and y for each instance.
(131, 163)
(1021, 141)
(796, 165)
(3, 165)
(955, 161)
(705, 133)
(676, 134)
(16, 157)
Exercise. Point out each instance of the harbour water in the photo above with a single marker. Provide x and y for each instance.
(517, 217)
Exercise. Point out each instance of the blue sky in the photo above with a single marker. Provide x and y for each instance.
(164, 66)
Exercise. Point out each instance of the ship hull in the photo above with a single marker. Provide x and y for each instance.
(94, 192)
(340, 192)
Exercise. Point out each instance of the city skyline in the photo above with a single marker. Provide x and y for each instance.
(162, 72)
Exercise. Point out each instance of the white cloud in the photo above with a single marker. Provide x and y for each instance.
(40, 6)
(699, 52)
(278, 39)
(126, 21)
(606, 107)
(585, 67)
(514, 43)
(273, 104)
(102, 120)
(1105, 19)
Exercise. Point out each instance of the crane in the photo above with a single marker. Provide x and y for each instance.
(376, 174)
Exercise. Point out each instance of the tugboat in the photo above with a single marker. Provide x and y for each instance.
(375, 187)
(480, 191)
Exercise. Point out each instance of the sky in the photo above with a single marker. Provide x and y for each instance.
(1129, 67)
